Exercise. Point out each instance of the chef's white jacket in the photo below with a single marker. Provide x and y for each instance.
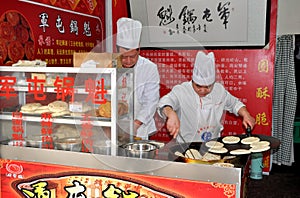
(200, 118)
(147, 84)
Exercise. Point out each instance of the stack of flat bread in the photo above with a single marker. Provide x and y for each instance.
(256, 145)
(259, 146)
(56, 108)
(216, 147)
(30, 107)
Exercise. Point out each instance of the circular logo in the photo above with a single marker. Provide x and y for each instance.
(206, 136)
(14, 168)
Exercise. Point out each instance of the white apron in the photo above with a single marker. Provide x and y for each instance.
(208, 126)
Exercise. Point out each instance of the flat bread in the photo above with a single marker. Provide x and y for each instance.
(230, 139)
(58, 106)
(214, 144)
(240, 152)
(42, 107)
(40, 111)
(29, 107)
(193, 154)
(260, 143)
(179, 154)
(28, 112)
(250, 140)
(218, 150)
(33, 63)
(257, 149)
(62, 113)
(224, 164)
(211, 157)
(228, 157)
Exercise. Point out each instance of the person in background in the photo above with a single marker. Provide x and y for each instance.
(146, 82)
(196, 108)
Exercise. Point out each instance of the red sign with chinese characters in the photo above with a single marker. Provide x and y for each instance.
(237, 71)
(50, 30)
(28, 179)
(63, 88)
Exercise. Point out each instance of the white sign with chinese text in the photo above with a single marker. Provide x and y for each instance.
(207, 23)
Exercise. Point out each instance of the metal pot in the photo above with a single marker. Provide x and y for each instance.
(140, 149)
(69, 144)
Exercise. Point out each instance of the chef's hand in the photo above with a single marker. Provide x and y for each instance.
(173, 123)
(248, 120)
(137, 125)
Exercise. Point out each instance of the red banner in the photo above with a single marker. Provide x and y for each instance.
(27, 179)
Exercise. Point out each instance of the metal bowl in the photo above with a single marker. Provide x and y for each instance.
(36, 141)
(102, 147)
(69, 144)
(140, 150)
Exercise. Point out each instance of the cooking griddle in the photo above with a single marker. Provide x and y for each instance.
(237, 160)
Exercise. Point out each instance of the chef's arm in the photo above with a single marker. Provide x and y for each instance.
(248, 120)
(173, 123)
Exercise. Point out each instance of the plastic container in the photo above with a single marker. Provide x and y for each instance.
(256, 165)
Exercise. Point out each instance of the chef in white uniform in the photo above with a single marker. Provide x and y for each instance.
(146, 82)
(196, 108)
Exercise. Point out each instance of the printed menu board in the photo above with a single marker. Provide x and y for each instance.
(50, 30)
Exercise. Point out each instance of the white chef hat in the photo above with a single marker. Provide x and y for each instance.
(128, 33)
(204, 72)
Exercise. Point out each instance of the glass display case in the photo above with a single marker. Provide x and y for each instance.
(66, 108)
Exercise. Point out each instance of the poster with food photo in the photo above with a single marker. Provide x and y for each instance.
(51, 31)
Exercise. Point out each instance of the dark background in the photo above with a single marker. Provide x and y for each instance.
(297, 71)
